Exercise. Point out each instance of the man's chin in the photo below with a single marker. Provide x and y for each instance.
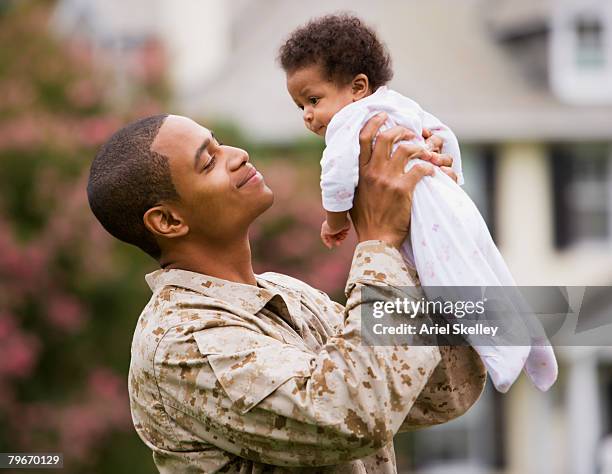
(265, 201)
(269, 198)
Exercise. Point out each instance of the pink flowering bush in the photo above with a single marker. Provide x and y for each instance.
(69, 293)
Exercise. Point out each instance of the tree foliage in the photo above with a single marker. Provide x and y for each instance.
(69, 294)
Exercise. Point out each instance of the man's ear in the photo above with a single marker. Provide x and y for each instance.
(163, 221)
(360, 86)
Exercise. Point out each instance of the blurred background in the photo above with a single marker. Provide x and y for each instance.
(525, 84)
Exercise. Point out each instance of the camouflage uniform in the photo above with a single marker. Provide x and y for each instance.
(228, 377)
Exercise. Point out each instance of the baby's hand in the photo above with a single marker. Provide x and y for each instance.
(334, 237)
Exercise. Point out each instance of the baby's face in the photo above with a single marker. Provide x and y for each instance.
(319, 98)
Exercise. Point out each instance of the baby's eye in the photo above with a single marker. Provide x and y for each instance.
(313, 100)
(301, 107)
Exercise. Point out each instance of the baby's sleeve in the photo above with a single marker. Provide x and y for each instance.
(451, 144)
(340, 166)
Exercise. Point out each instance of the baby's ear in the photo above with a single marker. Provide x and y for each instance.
(360, 86)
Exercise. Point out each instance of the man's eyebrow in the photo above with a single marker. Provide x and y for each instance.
(199, 151)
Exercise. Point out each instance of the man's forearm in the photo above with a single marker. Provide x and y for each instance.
(459, 377)
(455, 385)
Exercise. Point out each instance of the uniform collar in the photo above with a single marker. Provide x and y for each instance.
(248, 297)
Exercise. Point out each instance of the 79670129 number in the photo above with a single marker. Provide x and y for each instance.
(17, 460)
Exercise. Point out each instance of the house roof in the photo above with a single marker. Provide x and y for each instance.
(446, 56)
(510, 16)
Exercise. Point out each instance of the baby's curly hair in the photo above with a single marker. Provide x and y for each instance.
(344, 47)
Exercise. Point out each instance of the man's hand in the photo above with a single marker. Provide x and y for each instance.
(383, 199)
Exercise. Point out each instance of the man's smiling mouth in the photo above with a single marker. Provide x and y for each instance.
(250, 172)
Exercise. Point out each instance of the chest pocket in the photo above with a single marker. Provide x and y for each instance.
(250, 366)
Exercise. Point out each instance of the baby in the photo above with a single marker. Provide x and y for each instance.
(336, 72)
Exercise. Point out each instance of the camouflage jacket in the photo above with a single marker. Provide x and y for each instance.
(228, 377)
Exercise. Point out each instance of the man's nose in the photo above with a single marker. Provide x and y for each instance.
(238, 157)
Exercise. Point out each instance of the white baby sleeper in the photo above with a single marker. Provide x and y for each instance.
(449, 242)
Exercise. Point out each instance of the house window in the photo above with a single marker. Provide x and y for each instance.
(472, 443)
(605, 387)
(581, 52)
(479, 174)
(582, 186)
(590, 51)
(604, 448)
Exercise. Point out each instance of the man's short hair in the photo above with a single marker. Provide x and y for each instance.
(342, 45)
(127, 179)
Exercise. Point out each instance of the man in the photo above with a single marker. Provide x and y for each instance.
(244, 373)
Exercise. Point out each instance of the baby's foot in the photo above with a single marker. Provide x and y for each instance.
(504, 364)
(541, 366)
